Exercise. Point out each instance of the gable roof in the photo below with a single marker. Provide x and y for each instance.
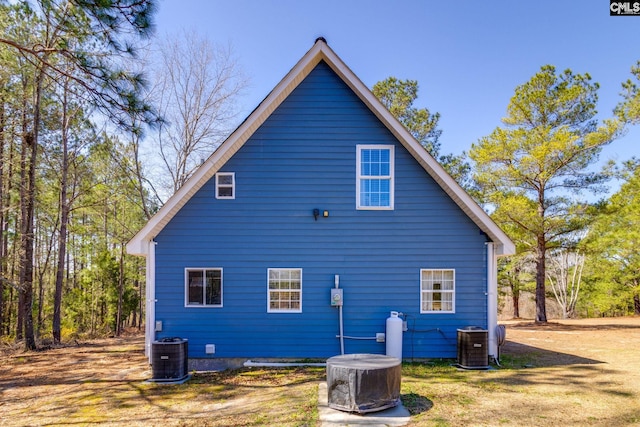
(319, 52)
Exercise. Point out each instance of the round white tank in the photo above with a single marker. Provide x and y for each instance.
(394, 335)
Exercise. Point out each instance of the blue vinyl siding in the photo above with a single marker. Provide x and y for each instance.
(302, 158)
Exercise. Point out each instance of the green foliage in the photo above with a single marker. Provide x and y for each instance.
(628, 109)
(530, 170)
(80, 40)
(399, 96)
(549, 140)
(602, 294)
(105, 272)
(516, 274)
(613, 242)
(60, 61)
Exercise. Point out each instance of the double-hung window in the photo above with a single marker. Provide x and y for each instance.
(374, 183)
(203, 287)
(437, 291)
(284, 293)
(225, 185)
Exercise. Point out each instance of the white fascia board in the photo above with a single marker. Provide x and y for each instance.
(137, 247)
(138, 244)
(433, 168)
(319, 51)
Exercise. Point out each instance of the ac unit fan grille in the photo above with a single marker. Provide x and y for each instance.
(473, 348)
(170, 359)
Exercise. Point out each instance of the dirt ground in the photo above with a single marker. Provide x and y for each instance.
(612, 341)
(576, 373)
(572, 372)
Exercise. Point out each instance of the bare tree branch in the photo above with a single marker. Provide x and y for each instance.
(197, 87)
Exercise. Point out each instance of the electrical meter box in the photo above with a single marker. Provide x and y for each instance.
(336, 297)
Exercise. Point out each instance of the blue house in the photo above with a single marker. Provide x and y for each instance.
(319, 188)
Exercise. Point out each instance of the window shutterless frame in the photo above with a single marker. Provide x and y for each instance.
(437, 291)
(375, 177)
(284, 290)
(225, 185)
(203, 287)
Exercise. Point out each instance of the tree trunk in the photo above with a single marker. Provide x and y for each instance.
(64, 219)
(636, 304)
(541, 306)
(3, 254)
(515, 298)
(62, 247)
(9, 316)
(6, 208)
(40, 320)
(20, 316)
(541, 259)
(23, 213)
(120, 292)
(134, 316)
(141, 299)
(139, 175)
(27, 206)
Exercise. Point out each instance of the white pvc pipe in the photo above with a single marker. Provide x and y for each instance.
(252, 364)
(341, 332)
(492, 300)
(336, 282)
(357, 338)
(150, 321)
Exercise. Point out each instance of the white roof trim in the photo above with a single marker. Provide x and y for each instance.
(320, 51)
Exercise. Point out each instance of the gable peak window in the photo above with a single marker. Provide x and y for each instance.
(225, 185)
(375, 177)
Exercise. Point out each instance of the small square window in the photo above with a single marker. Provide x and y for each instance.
(225, 185)
(203, 287)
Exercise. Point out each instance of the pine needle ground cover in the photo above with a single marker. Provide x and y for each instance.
(573, 372)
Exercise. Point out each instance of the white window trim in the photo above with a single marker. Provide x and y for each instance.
(390, 177)
(272, 310)
(186, 288)
(453, 292)
(233, 185)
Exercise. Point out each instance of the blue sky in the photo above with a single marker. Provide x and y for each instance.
(468, 56)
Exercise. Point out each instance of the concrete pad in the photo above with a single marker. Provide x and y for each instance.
(329, 417)
(168, 381)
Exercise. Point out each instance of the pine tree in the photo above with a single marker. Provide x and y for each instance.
(529, 168)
